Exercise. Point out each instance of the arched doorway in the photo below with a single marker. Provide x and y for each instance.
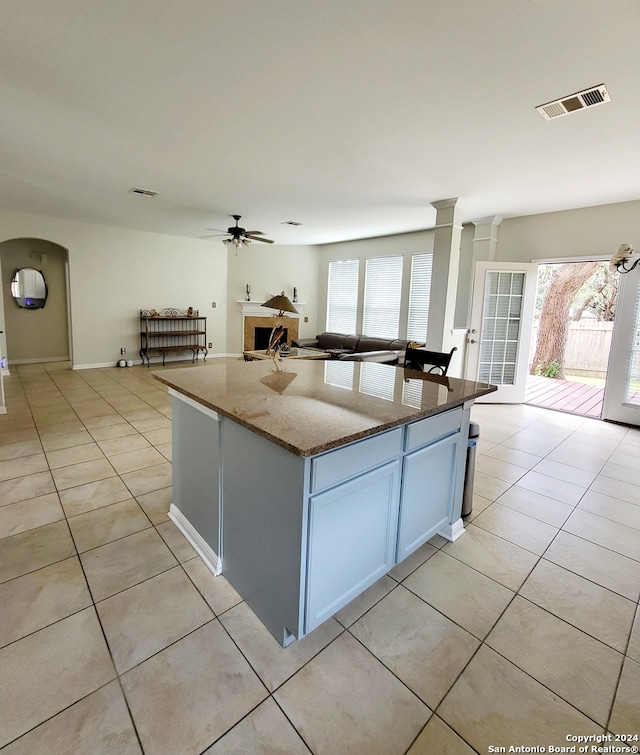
(39, 335)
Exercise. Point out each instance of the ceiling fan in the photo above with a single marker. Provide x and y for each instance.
(239, 236)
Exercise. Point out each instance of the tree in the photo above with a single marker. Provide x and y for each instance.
(597, 295)
(566, 280)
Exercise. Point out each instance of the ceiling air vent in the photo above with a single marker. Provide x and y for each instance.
(571, 103)
(143, 192)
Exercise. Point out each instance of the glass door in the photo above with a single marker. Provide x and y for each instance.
(622, 390)
(501, 317)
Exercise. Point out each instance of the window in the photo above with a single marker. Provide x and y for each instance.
(501, 324)
(419, 293)
(342, 296)
(382, 293)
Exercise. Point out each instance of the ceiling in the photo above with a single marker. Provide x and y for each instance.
(348, 116)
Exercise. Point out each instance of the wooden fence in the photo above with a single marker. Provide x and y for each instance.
(588, 346)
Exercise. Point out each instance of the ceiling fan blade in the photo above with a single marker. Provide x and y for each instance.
(214, 236)
(257, 238)
(216, 230)
(254, 233)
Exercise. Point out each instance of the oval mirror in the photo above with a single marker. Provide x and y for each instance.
(29, 288)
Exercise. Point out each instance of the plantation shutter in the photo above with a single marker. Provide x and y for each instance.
(342, 296)
(419, 295)
(382, 293)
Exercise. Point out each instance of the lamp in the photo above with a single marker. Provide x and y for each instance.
(282, 303)
(621, 257)
(237, 242)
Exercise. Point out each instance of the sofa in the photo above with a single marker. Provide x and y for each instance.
(356, 348)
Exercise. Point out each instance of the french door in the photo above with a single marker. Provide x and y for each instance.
(622, 389)
(501, 321)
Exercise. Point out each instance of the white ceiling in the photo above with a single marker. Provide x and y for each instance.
(349, 116)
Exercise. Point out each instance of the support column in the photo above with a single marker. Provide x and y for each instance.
(485, 239)
(446, 260)
(485, 242)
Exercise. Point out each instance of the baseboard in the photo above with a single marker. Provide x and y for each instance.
(452, 531)
(40, 361)
(206, 553)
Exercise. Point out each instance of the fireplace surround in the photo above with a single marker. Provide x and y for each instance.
(255, 317)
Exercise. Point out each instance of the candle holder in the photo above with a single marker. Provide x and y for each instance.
(247, 296)
(295, 295)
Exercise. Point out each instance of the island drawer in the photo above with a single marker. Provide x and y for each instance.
(349, 461)
(431, 429)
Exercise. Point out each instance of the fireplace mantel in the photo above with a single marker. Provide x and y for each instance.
(255, 309)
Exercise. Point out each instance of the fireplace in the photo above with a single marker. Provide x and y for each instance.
(258, 329)
(256, 321)
(262, 335)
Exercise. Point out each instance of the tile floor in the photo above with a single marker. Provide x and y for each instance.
(114, 638)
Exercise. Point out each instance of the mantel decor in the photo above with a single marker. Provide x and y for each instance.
(170, 312)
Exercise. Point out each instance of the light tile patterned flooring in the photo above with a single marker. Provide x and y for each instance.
(114, 637)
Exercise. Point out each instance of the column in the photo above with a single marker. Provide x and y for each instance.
(446, 260)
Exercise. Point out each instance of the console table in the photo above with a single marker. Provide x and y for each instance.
(304, 493)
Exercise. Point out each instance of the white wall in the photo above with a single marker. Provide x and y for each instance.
(269, 270)
(115, 272)
(573, 233)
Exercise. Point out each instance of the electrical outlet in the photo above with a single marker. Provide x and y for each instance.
(306, 319)
(214, 304)
(123, 351)
(210, 346)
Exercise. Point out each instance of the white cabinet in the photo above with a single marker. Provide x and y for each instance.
(300, 537)
(428, 490)
(352, 540)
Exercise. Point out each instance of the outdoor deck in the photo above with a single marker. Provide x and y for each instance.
(564, 396)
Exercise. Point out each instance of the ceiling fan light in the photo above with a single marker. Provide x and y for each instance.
(246, 242)
(226, 242)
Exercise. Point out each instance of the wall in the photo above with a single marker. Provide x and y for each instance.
(115, 272)
(38, 334)
(596, 231)
(270, 270)
(586, 232)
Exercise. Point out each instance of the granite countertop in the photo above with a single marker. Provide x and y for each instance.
(303, 406)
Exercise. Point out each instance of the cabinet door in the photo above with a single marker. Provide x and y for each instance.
(428, 491)
(352, 535)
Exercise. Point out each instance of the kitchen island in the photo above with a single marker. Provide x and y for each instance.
(306, 482)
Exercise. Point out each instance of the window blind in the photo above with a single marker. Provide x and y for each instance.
(419, 295)
(342, 296)
(382, 293)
